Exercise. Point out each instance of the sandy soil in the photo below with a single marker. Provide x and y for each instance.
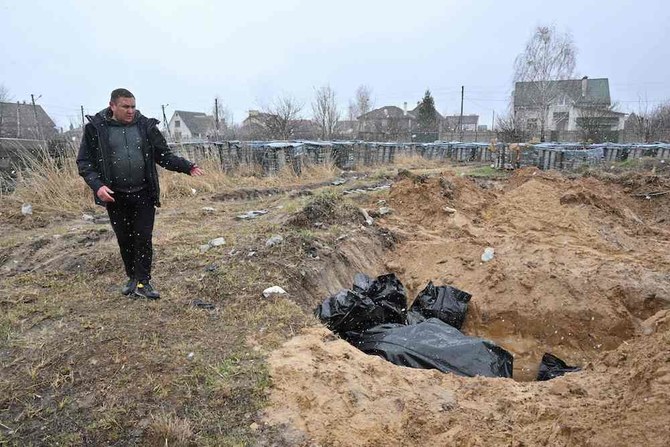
(581, 270)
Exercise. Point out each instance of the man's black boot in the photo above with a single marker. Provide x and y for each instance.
(145, 290)
(129, 287)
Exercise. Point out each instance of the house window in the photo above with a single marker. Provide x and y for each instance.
(561, 120)
(177, 123)
(177, 136)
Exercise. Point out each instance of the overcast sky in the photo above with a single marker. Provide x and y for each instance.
(184, 53)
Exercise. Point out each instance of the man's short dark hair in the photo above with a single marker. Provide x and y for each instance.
(120, 93)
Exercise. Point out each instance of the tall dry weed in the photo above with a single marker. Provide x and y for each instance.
(50, 184)
(53, 185)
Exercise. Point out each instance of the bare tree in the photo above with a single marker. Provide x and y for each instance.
(325, 112)
(352, 111)
(509, 129)
(548, 57)
(279, 119)
(650, 124)
(4, 97)
(595, 123)
(4, 93)
(362, 102)
(222, 113)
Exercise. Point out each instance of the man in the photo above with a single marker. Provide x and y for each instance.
(117, 158)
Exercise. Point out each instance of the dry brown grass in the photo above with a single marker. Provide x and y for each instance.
(51, 184)
(170, 430)
(216, 179)
(54, 187)
(417, 162)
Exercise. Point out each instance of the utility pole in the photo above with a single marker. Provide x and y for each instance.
(37, 123)
(165, 121)
(493, 120)
(460, 119)
(18, 120)
(82, 118)
(216, 114)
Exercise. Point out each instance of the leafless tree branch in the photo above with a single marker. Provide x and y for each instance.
(548, 56)
(325, 112)
(279, 118)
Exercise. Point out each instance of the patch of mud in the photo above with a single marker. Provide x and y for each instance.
(71, 252)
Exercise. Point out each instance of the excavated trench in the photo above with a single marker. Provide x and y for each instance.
(580, 270)
(579, 264)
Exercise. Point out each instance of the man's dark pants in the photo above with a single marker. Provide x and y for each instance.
(132, 217)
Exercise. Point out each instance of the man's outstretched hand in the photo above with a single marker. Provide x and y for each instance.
(196, 170)
(105, 194)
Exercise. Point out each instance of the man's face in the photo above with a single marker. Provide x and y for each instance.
(123, 110)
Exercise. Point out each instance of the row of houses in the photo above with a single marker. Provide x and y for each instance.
(382, 124)
(550, 109)
(572, 105)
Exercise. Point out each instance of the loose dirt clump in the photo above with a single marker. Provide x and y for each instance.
(326, 208)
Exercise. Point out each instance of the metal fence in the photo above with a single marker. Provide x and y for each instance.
(270, 157)
(273, 156)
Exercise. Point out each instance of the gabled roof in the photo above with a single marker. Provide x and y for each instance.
(18, 121)
(385, 112)
(415, 112)
(597, 92)
(197, 122)
(256, 117)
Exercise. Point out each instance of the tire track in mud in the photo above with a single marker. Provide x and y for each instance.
(295, 191)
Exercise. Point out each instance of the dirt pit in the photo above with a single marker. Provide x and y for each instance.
(581, 269)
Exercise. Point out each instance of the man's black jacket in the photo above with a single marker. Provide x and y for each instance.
(93, 158)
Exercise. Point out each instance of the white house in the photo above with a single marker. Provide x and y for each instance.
(190, 126)
(572, 104)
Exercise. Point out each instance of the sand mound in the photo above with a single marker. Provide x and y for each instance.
(580, 270)
(328, 392)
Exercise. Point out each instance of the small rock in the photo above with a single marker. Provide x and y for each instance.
(26, 209)
(88, 217)
(251, 254)
(205, 248)
(274, 240)
(449, 210)
(193, 191)
(254, 426)
(384, 210)
(368, 219)
(274, 291)
(217, 242)
(339, 181)
(488, 254)
(251, 214)
(190, 356)
(200, 304)
(208, 209)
